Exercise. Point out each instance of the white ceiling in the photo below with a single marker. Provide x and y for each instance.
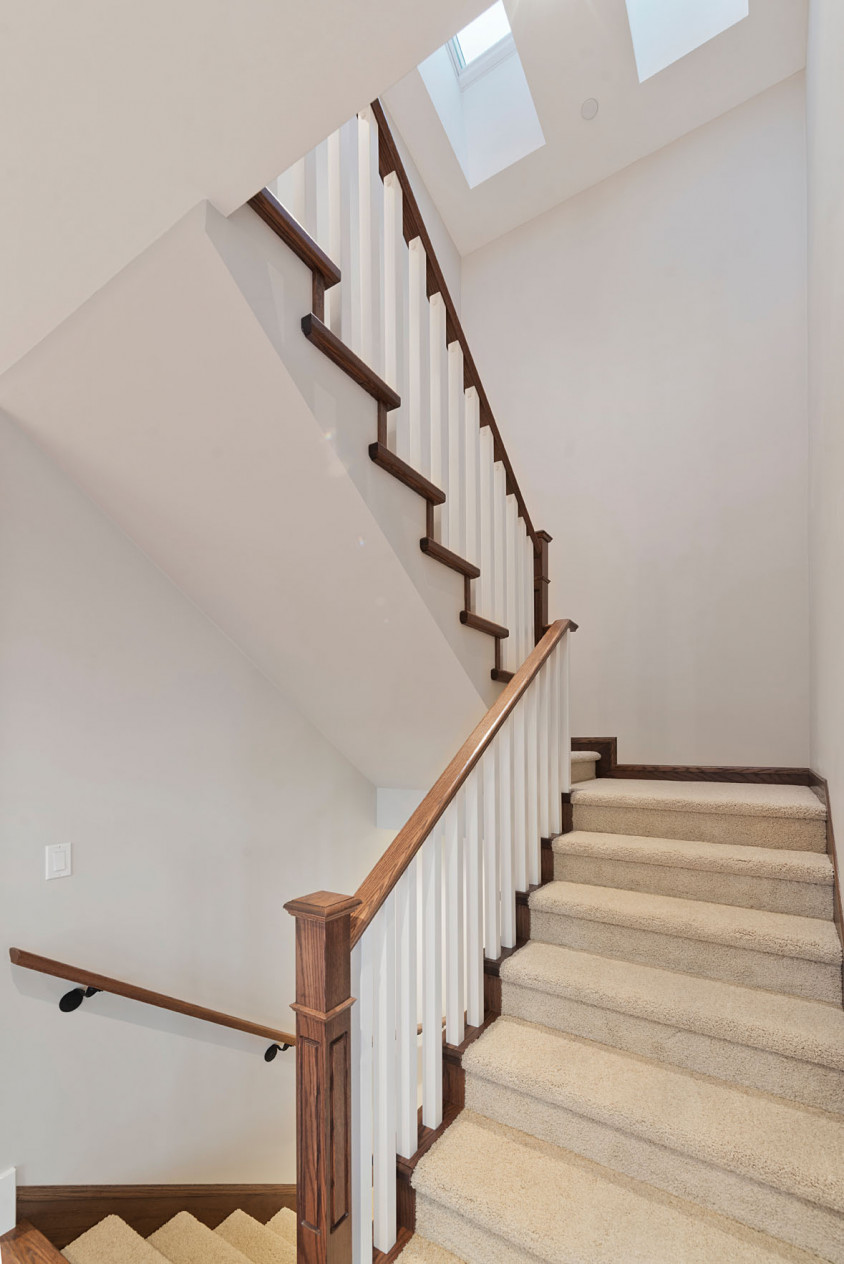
(574, 50)
(117, 118)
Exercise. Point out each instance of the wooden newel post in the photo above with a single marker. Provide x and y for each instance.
(323, 1077)
(541, 580)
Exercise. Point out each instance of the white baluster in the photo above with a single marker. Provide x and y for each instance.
(555, 801)
(438, 400)
(471, 485)
(454, 505)
(544, 753)
(486, 583)
(407, 1124)
(397, 316)
(474, 906)
(361, 1059)
(418, 358)
(520, 819)
(504, 742)
(384, 1076)
(534, 847)
(565, 719)
(371, 239)
(455, 1025)
(500, 547)
(333, 242)
(432, 1003)
(511, 645)
(351, 309)
(518, 590)
(492, 878)
(289, 189)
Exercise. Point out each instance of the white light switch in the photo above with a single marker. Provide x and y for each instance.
(57, 860)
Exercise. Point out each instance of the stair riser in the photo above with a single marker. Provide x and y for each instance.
(752, 1203)
(802, 1082)
(703, 827)
(803, 899)
(815, 980)
(467, 1239)
(584, 771)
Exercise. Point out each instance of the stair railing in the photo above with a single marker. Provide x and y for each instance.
(383, 312)
(410, 946)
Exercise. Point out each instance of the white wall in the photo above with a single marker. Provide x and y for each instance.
(825, 96)
(644, 347)
(197, 801)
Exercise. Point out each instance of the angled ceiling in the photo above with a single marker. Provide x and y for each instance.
(578, 50)
(118, 118)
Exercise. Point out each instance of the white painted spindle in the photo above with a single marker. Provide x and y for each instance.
(454, 923)
(408, 1013)
(432, 965)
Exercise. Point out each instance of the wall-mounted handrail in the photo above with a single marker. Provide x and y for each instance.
(88, 979)
(414, 226)
(382, 879)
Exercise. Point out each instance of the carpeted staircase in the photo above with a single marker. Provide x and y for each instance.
(240, 1239)
(666, 1082)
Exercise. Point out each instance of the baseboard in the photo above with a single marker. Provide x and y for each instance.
(608, 766)
(62, 1212)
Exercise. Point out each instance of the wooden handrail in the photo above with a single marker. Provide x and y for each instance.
(389, 161)
(375, 888)
(102, 983)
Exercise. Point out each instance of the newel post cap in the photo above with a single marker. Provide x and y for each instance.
(322, 906)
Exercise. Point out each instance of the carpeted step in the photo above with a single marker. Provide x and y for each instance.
(186, 1240)
(261, 1244)
(797, 955)
(775, 1043)
(791, 817)
(769, 1164)
(284, 1224)
(421, 1251)
(494, 1195)
(796, 882)
(583, 765)
(111, 1241)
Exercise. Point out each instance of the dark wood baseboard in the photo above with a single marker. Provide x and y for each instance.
(608, 766)
(62, 1212)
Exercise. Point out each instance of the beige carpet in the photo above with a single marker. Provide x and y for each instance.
(791, 817)
(185, 1240)
(666, 1085)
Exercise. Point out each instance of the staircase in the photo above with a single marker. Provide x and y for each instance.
(666, 1080)
(240, 1239)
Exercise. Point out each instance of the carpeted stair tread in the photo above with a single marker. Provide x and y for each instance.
(284, 1224)
(759, 862)
(756, 930)
(585, 757)
(794, 1149)
(811, 1031)
(735, 798)
(421, 1251)
(510, 1197)
(260, 1244)
(186, 1240)
(111, 1241)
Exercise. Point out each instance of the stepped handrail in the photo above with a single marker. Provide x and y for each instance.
(89, 982)
(383, 877)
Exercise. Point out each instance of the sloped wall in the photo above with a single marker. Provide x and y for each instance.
(197, 800)
(647, 342)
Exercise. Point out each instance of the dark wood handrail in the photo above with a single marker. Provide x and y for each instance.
(102, 983)
(389, 161)
(375, 888)
(291, 232)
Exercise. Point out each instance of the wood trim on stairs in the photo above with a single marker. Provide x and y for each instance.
(821, 786)
(609, 767)
(291, 232)
(326, 341)
(25, 1245)
(61, 1212)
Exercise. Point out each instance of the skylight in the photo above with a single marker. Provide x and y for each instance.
(663, 31)
(481, 35)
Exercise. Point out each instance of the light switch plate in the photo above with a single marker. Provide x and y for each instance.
(57, 861)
